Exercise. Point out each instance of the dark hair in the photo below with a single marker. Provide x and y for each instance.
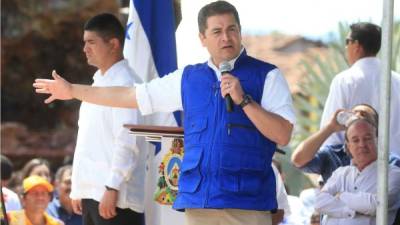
(61, 171)
(368, 36)
(6, 168)
(30, 165)
(215, 8)
(356, 121)
(107, 26)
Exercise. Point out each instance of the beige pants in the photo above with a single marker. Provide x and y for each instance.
(227, 217)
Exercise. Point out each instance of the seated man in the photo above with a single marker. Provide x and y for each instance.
(37, 195)
(349, 196)
(61, 206)
(310, 157)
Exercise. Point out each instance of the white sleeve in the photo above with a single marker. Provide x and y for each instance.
(366, 203)
(125, 153)
(361, 202)
(330, 205)
(276, 96)
(336, 100)
(327, 202)
(160, 94)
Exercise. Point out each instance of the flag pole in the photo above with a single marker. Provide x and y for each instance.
(385, 90)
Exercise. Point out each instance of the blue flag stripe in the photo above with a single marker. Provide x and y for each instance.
(157, 18)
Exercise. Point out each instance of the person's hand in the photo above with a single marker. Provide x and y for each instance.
(231, 85)
(108, 204)
(58, 88)
(333, 124)
(77, 206)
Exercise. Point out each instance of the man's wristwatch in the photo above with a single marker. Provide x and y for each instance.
(247, 99)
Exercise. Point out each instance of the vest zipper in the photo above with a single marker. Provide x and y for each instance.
(236, 125)
(215, 87)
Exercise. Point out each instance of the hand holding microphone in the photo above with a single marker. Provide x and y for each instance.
(224, 68)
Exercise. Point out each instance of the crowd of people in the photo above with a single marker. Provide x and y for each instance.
(227, 175)
(32, 196)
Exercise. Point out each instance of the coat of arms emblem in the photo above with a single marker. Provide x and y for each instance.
(169, 170)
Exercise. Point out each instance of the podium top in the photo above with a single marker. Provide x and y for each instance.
(144, 130)
(163, 131)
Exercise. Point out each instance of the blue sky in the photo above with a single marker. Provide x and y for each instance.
(314, 19)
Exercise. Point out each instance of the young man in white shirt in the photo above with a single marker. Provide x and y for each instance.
(108, 169)
(226, 175)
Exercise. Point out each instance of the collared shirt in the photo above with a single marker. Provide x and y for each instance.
(164, 94)
(360, 84)
(55, 210)
(106, 154)
(349, 196)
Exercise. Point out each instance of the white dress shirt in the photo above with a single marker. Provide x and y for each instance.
(360, 84)
(164, 94)
(349, 196)
(106, 154)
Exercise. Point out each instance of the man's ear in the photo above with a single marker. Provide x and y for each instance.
(359, 49)
(202, 38)
(116, 45)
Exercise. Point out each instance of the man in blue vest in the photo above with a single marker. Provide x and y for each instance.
(226, 175)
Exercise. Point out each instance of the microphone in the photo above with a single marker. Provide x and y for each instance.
(225, 67)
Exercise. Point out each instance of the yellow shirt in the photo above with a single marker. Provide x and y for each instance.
(19, 218)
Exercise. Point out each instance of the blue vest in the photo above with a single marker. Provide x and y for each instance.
(227, 161)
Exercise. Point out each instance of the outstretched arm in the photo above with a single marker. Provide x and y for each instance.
(307, 149)
(61, 89)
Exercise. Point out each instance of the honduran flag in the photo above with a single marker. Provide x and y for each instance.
(150, 48)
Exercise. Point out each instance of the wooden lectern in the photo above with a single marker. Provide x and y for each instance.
(155, 133)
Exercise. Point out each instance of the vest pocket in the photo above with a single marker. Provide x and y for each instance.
(242, 134)
(242, 172)
(194, 129)
(190, 176)
(196, 125)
